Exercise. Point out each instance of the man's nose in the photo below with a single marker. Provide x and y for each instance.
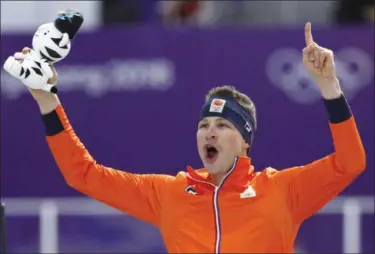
(211, 135)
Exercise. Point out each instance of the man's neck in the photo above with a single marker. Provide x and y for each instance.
(218, 177)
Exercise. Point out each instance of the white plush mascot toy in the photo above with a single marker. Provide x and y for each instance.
(51, 43)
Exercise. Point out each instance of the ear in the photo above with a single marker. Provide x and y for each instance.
(64, 40)
(247, 146)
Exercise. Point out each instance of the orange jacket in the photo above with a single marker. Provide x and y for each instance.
(249, 212)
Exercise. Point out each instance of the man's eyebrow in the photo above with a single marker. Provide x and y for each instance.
(202, 121)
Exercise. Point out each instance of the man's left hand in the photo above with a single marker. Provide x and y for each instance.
(320, 63)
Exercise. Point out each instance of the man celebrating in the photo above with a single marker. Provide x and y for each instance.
(225, 206)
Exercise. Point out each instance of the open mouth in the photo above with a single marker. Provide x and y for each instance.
(211, 153)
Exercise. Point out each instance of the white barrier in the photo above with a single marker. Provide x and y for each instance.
(49, 209)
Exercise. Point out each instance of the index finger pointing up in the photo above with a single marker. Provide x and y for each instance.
(308, 35)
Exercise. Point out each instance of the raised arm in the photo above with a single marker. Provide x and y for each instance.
(311, 186)
(137, 195)
(140, 196)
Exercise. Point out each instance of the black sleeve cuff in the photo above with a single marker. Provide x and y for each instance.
(338, 109)
(52, 123)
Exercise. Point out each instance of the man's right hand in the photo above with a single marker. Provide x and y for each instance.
(47, 102)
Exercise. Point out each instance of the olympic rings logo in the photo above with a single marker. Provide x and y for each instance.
(285, 70)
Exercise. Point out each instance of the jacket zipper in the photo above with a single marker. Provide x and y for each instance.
(216, 208)
(217, 220)
(216, 205)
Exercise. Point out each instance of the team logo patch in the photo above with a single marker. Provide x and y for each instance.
(248, 193)
(217, 105)
(191, 190)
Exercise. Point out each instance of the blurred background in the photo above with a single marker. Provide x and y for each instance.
(133, 86)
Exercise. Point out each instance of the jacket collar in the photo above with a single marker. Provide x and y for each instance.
(238, 177)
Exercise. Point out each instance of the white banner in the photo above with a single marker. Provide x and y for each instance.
(25, 16)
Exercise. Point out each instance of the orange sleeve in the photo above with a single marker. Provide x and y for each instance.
(312, 186)
(137, 195)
